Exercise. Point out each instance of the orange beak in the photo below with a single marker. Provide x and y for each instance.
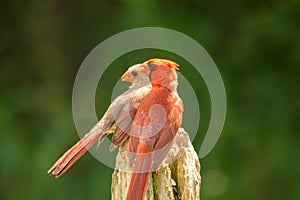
(126, 77)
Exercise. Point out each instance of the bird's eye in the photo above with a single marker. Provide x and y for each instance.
(134, 73)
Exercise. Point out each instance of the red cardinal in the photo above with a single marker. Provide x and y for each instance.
(122, 107)
(155, 124)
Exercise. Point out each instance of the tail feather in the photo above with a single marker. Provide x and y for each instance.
(73, 154)
(140, 176)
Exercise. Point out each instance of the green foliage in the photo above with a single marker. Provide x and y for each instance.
(254, 43)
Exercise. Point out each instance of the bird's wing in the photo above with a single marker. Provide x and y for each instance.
(167, 134)
(123, 126)
(125, 116)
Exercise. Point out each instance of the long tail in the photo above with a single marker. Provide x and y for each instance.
(139, 181)
(73, 154)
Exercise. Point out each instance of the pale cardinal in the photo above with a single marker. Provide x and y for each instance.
(120, 108)
(156, 122)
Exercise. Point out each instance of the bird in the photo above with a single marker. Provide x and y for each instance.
(146, 115)
(155, 124)
(124, 106)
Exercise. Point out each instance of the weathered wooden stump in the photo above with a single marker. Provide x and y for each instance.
(178, 177)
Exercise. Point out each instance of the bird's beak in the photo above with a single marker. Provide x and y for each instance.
(126, 77)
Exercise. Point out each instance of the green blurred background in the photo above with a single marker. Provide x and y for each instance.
(255, 44)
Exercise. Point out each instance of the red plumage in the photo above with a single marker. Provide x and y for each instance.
(155, 124)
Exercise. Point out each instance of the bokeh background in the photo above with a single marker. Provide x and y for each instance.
(255, 44)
